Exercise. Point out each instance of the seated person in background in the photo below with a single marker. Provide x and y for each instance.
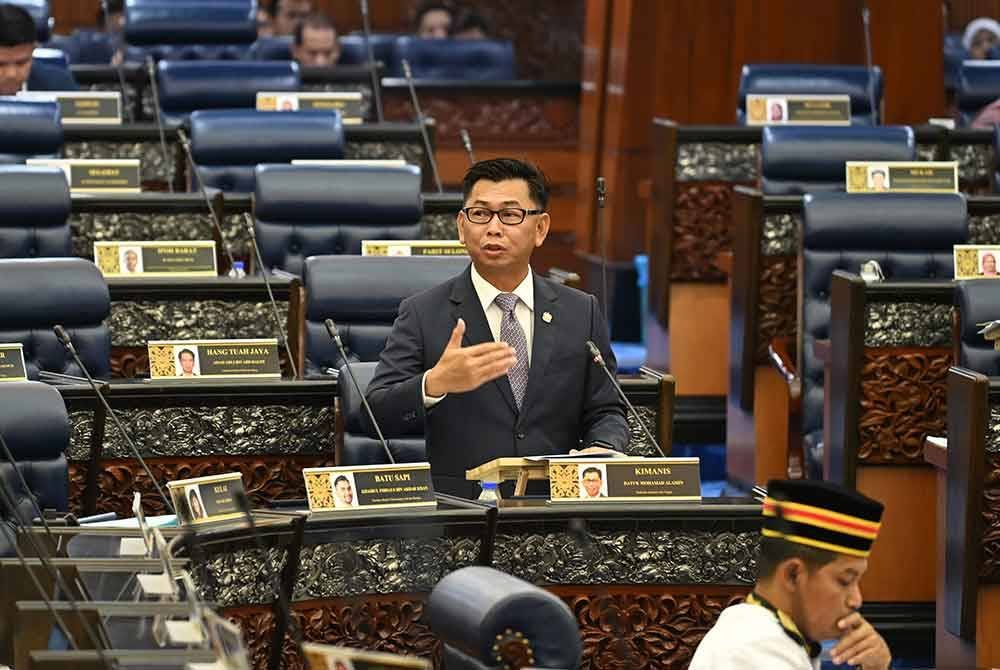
(286, 15)
(816, 540)
(493, 362)
(433, 20)
(980, 36)
(316, 42)
(113, 22)
(265, 21)
(18, 72)
(471, 25)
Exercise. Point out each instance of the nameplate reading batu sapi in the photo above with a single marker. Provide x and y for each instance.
(97, 175)
(369, 486)
(206, 499)
(82, 107)
(12, 368)
(624, 480)
(413, 248)
(214, 359)
(329, 657)
(798, 110)
(348, 103)
(902, 177)
(156, 259)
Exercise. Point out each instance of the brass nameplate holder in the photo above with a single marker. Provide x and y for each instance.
(348, 103)
(329, 657)
(369, 486)
(902, 177)
(82, 107)
(12, 368)
(156, 259)
(798, 110)
(413, 248)
(625, 480)
(214, 359)
(976, 261)
(206, 499)
(96, 175)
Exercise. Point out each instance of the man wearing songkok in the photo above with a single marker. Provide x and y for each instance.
(816, 540)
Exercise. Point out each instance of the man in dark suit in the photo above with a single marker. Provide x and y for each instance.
(493, 362)
(18, 71)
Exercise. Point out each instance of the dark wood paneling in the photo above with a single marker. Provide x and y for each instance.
(960, 12)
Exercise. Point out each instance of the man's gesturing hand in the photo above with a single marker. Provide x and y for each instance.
(860, 645)
(462, 369)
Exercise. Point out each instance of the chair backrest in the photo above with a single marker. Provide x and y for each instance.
(41, 13)
(978, 86)
(977, 301)
(50, 56)
(88, 47)
(453, 59)
(28, 130)
(152, 22)
(272, 48)
(188, 86)
(303, 211)
(954, 55)
(805, 159)
(34, 212)
(354, 52)
(853, 80)
(910, 235)
(362, 295)
(39, 293)
(227, 145)
(35, 425)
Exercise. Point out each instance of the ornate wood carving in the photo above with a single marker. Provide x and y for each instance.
(775, 301)
(257, 624)
(990, 567)
(701, 230)
(903, 399)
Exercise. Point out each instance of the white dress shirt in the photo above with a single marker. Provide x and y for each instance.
(749, 637)
(523, 312)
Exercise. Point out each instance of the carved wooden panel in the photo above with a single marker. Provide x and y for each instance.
(257, 624)
(776, 296)
(702, 212)
(903, 399)
(990, 568)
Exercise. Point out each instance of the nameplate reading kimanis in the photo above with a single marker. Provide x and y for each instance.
(620, 480)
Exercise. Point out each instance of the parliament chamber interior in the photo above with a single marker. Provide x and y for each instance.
(603, 334)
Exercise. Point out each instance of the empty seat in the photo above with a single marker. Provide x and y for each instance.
(977, 301)
(50, 56)
(453, 59)
(189, 29)
(978, 86)
(855, 81)
(354, 52)
(29, 130)
(34, 212)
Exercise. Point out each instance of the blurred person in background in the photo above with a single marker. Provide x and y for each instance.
(433, 20)
(113, 22)
(18, 71)
(265, 21)
(316, 42)
(288, 13)
(980, 37)
(471, 25)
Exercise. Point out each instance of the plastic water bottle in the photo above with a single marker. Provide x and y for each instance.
(238, 271)
(489, 493)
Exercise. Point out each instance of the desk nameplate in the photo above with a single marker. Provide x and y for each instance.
(369, 486)
(12, 368)
(82, 107)
(413, 248)
(206, 499)
(193, 359)
(348, 103)
(798, 110)
(976, 261)
(96, 175)
(625, 480)
(330, 657)
(902, 176)
(156, 259)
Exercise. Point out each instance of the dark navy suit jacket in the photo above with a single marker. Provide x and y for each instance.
(50, 78)
(569, 402)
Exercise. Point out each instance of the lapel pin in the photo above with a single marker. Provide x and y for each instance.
(546, 317)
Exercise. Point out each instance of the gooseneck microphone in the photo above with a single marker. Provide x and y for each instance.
(467, 143)
(126, 105)
(155, 88)
(248, 220)
(366, 29)
(186, 146)
(331, 328)
(67, 343)
(598, 359)
(423, 125)
(866, 23)
(602, 192)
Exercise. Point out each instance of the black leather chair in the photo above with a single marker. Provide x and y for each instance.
(189, 29)
(227, 145)
(354, 52)
(978, 86)
(34, 212)
(977, 301)
(303, 211)
(357, 447)
(37, 294)
(453, 59)
(34, 423)
(29, 130)
(807, 159)
(853, 80)
(488, 619)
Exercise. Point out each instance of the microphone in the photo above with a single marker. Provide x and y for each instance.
(866, 21)
(270, 295)
(331, 328)
(598, 360)
(601, 196)
(467, 143)
(155, 88)
(423, 125)
(67, 343)
(372, 65)
(118, 69)
(186, 146)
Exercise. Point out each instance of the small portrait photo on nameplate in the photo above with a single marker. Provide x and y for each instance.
(82, 107)
(206, 499)
(214, 359)
(624, 480)
(349, 103)
(156, 259)
(346, 488)
(12, 368)
(330, 657)
(96, 175)
(902, 177)
(975, 261)
(801, 110)
(413, 248)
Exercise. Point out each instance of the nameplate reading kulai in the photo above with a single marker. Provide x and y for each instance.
(413, 248)
(82, 107)
(369, 486)
(348, 103)
(798, 110)
(156, 259)
(206, 499)
(624, 480)
(97, 175)
(200, 359)
(329, 657)
(902, 177)
(12, 368)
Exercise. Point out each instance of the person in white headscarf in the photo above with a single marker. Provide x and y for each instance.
(980, 36)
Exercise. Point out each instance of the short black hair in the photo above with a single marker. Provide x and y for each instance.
(341, 477)
(881, 172)
(591, 469)
(114, 7)
(502, 169)
(775, 550)
(16, 26)
(470, 20)
(430, 6)
(314, 20)
(185, 351)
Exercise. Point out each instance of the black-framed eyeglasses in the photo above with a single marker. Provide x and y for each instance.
(508, 216)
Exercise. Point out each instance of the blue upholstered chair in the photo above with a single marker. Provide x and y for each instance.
(303, 211)
(489, 619)
(40, 11)
(34, 212)
(189, 29)
(805, 159)
(453, 59)
(852, 80)
(39, 293)
(227, 145)
(34, 423)
(911, 236)
(954, 55)
(50, 56)
(354, 52)
(977, 301)
(978, 86)
(272, 48)
(86, 46)
(29, 130)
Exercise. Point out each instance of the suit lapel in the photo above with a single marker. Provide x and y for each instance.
(543, 339)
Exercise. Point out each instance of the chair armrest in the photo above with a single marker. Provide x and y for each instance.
(779, 353)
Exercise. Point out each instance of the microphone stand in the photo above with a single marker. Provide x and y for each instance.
(155, 88)
(372, 65)
(423, 125)
(601, 195)
(866, 20)
(467, 143)
(118, 70)
(186, 146)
